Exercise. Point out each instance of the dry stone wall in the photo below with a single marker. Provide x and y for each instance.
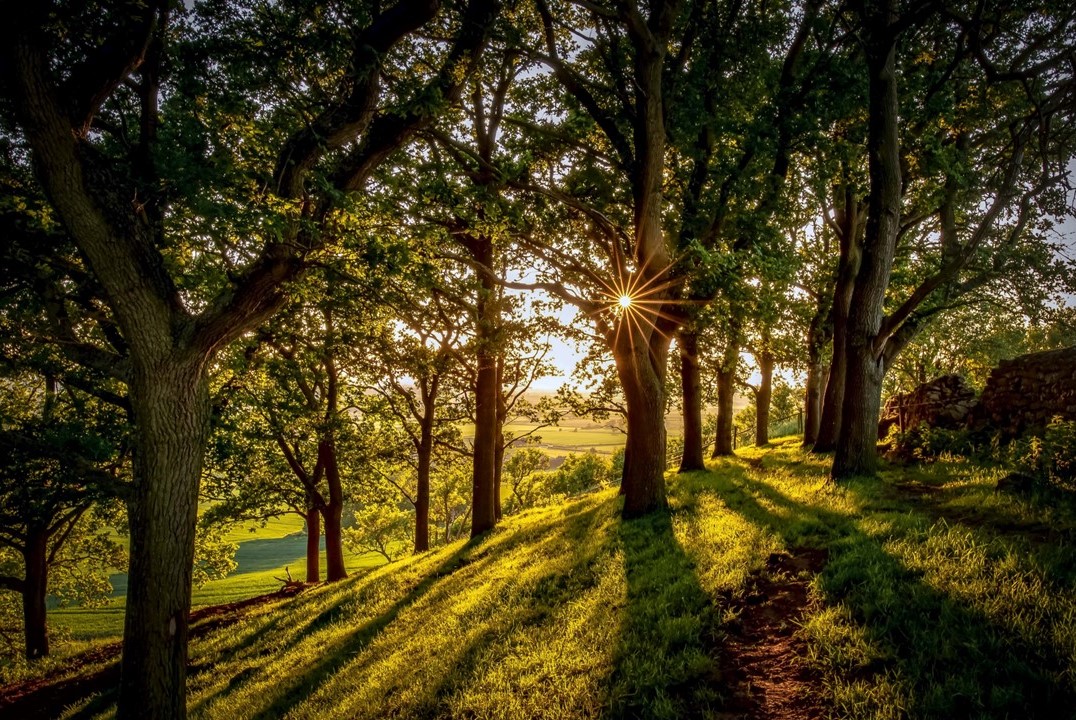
(1028, 391)
(945, 402)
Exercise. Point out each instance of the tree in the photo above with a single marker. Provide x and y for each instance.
(411, 366)
(60, 463)
(520, 468)
(641, 142)
(986, 145)
(95, 132)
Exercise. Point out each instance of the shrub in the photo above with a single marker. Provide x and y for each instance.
(1049, 457)
(926, 444)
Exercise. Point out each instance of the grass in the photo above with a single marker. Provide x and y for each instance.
(261, 562)
(940, 599)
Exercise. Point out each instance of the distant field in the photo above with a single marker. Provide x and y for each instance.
(564, 440)
(262, 558)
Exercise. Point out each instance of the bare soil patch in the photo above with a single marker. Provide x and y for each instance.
(762, 661)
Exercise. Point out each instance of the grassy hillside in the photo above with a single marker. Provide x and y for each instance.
(263, 556)
(924, 594)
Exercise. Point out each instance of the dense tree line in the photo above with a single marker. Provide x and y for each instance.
(307, 256)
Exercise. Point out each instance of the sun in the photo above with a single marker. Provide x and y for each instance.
(625, 301)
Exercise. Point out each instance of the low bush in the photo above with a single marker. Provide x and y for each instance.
(923, 443)
(1050, 457)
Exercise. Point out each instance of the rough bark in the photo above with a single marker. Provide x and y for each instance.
(763, 397)
(691, 390)
(849, 229)
(726, 392)
(171, 412)
(856, 452)
(333, 513)
(817, 376)
(34, 592)
(422, 490)
(313, 544)
(487, 391)
(640, 368)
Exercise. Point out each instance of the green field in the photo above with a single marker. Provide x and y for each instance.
(263, 557)
(559, 441)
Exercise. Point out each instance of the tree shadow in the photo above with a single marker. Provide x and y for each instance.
(341, 652)
(941, 649)
(664, 664)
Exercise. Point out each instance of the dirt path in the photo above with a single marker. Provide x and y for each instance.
(97, 672)
(762, 657)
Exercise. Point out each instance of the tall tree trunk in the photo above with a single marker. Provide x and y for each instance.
(691, 389)
(171, 406)
(422, 492)
(498, 453)
(762, 399)
(640, 368)
(850, 228)
(857, 441)
(34, 591)
(819, 333)
(817, 375)
(487, 391)
(333, 513)
(498, 467)
(313, 543)
(726, 392)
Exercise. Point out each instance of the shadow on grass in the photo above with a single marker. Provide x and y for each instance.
(957, 661)
(342, 652)
(664, 664)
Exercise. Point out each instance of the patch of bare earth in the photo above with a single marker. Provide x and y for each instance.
(762, 660)
(97, 672)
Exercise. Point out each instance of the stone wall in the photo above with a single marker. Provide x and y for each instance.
(1027, 391)
(945, 402)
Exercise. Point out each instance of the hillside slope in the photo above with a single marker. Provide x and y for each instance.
(765, 592)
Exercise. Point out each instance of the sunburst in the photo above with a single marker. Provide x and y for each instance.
(638, 300)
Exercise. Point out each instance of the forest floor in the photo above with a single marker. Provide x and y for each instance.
(765, 592)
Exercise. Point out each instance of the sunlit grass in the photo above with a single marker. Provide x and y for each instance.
(263, 563)
(942, 602)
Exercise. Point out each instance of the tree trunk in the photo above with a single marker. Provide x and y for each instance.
(762, 399)
(313, 544)
(34, 591)
(817, 375)
(726, 391)
(487, 391)
(171, 406)
(857, 441)
(498, 453)
(691, 389)
(333, 513)
(640, 364)
(422, 492)
(829, 423)
(498, 467)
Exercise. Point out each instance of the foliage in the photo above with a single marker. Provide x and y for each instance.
(1050, 457)
(383, 528)
(929, 444)
(214, 554)
(521, 476)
